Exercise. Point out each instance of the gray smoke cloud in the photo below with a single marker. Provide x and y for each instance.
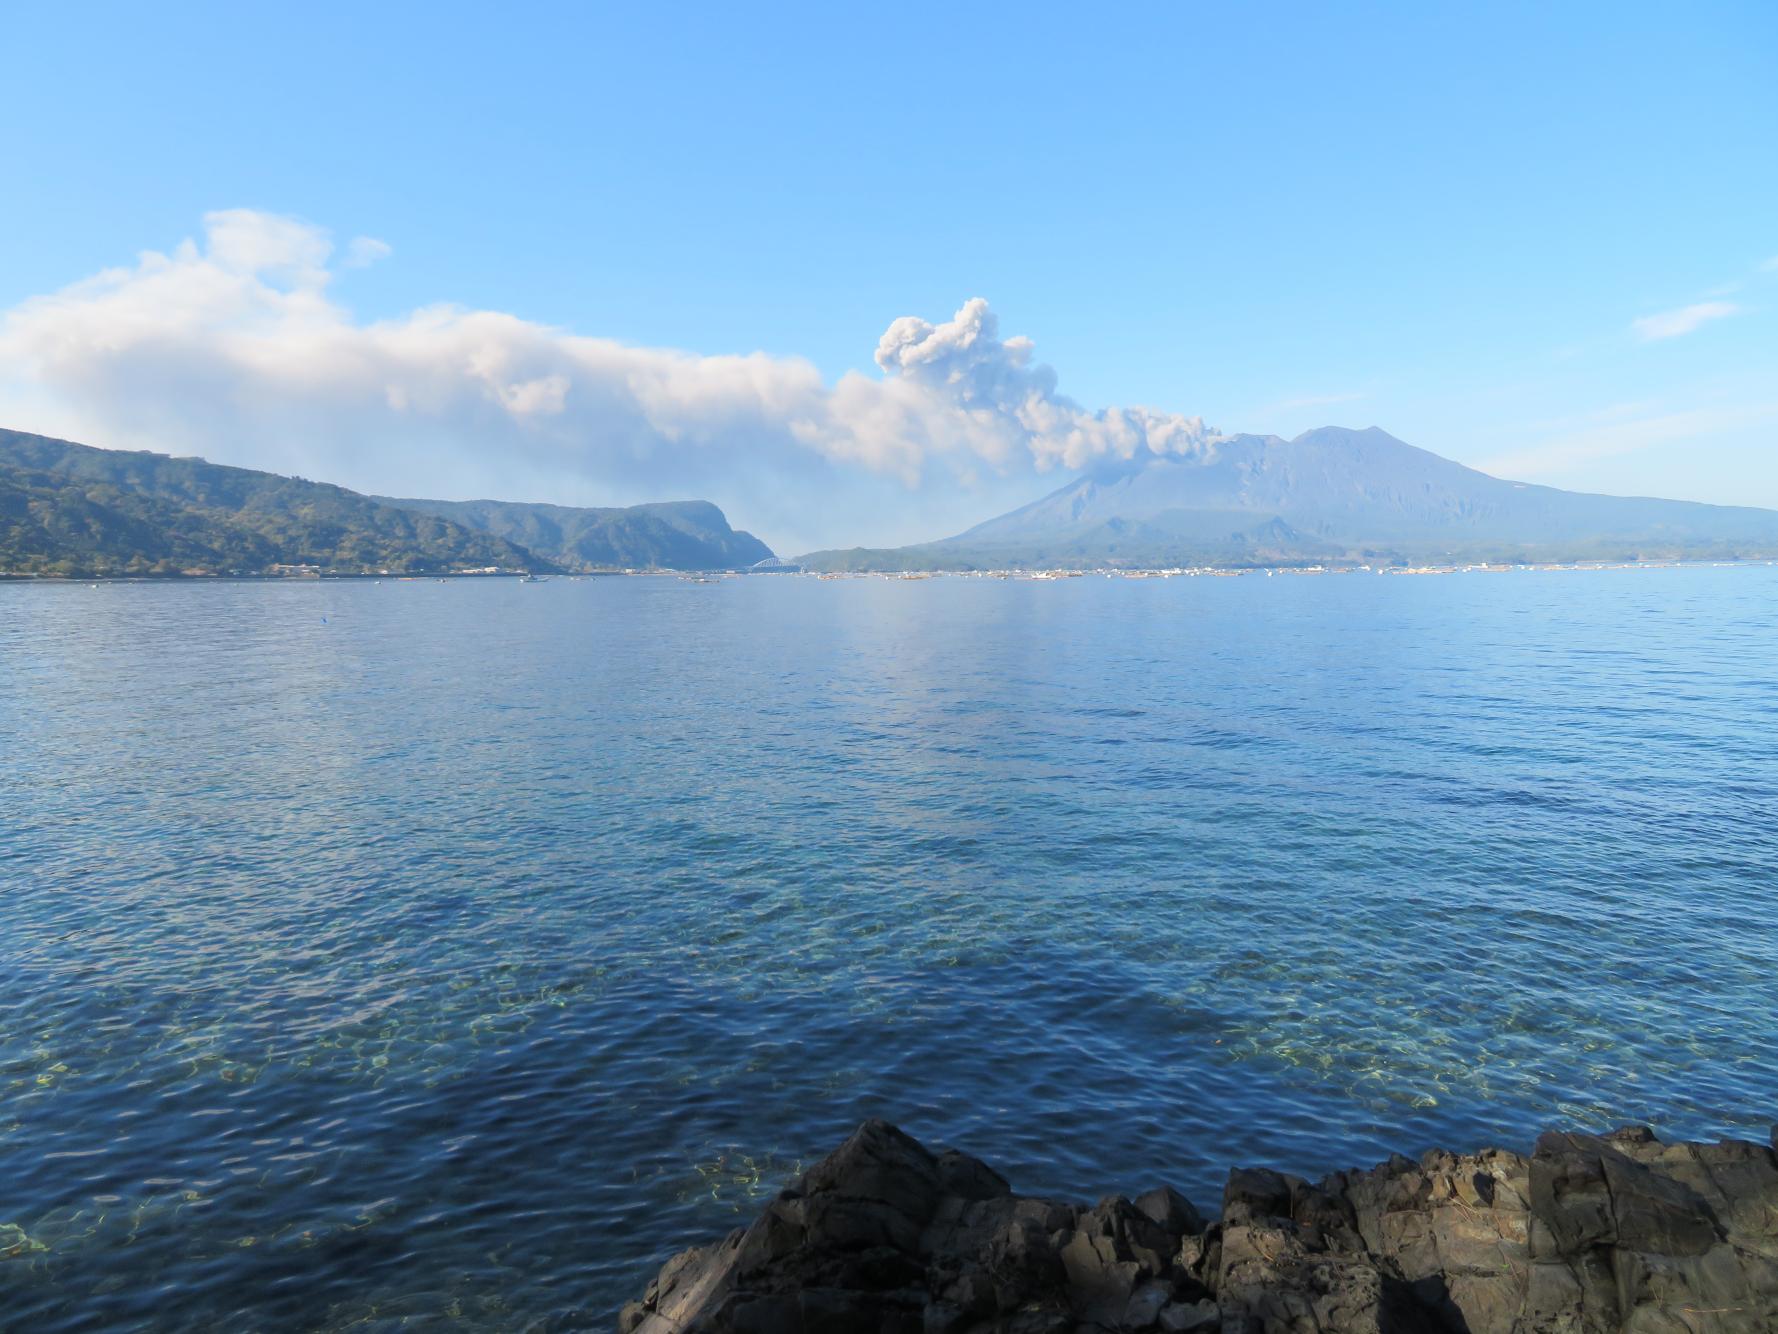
(232, 346)
(966, 363)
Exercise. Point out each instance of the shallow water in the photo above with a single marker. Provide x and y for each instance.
(383, 953)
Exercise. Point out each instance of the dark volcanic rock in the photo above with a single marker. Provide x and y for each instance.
(1613, 1234)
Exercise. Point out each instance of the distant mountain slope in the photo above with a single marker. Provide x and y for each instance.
(1329, 494)
(676, 535)
(74, 510)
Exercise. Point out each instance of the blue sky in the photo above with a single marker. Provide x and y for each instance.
(1539, 239)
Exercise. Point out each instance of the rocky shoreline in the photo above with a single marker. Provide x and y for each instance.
(1588, 1234)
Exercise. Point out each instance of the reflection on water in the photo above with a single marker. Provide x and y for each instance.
(373, 952)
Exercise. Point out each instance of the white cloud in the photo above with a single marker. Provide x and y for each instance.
(1673, 323)
(363, 251)
(234, 348)
(243, 241)
(1624, 429)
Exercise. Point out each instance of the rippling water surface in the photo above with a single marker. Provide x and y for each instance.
(414, 953)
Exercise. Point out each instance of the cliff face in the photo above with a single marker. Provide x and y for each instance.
(673, 534)
(1587, 1235)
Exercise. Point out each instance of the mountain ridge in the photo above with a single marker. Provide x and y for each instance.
(74, 510)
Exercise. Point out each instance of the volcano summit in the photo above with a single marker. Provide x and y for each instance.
(1331, 495)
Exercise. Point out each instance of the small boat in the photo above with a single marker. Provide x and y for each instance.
(534, 579)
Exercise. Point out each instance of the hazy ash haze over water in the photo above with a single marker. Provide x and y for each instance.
(458, 950)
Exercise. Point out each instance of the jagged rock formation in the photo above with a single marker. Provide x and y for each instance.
(1590, 1234)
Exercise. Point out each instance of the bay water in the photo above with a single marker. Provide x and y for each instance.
(446, 954)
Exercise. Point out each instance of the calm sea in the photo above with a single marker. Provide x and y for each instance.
(393, 952)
